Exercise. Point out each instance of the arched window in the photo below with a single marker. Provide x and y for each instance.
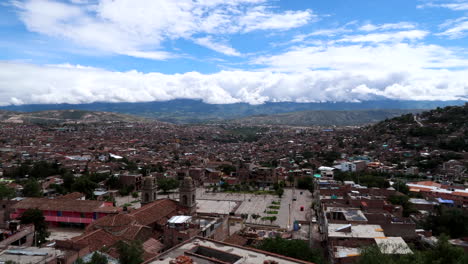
(154, 196)
(147, 197)
(184, 200)
(193, 198)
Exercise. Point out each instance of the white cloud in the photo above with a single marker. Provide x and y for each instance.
(382, 57)
(216, 46)
(26, 83)
(456, 28)
(137, 28)
(386, 36)
(261, 19)
(460, 5)
(388, 26)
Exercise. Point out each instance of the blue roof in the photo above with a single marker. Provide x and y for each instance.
(440, 200)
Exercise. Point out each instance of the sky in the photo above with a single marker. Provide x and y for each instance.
(229, 51)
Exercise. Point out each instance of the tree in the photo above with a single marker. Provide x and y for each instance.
(401, 187)
(255, 217)
(36, 217)
(68, 180)
(32, 188)
(306, 183)
(451, 222)
(167, 184)
(402, 200)
(6, 192)
(292, 248)
(98, 258)
(272, 219)
(227, 169)
(131, 252)
(84, 185)
(280, 192)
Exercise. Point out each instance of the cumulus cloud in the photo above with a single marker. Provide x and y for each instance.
(139, 28)
(22, 83)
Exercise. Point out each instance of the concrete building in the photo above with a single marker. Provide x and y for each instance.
(206, 251)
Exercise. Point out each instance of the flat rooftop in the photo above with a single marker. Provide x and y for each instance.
(357, 231)
(346, 252)
(205, 251)
(29, 254)
(392, 245)
(350, 214)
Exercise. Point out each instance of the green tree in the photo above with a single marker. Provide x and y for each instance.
(167, 184)
(452, 222)
(32, 188)
(6, 192)
(84, 185)
(298, 249)
(131, 252)
(98, 258)
(227, 169)
(306, 183)
(280, 192)
(402, 200)
(401, 187)
(36, 217)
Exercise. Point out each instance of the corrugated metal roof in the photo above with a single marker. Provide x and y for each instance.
(179, 219)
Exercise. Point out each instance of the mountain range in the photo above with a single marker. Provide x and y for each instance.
(186, 111)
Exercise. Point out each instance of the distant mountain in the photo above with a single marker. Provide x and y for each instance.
(195, 111)
(66, 116)
(324, 118)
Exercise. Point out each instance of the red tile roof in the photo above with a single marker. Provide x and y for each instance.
(66, 205)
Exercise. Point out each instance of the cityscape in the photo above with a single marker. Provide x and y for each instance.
(233, 132)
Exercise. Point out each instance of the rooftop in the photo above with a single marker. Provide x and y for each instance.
(206, 251)
(392, 245)
(355, 231)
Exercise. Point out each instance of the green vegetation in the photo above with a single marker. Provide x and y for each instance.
(6, 192)
(167, 184)
(227, 169)
(32, 188)
(36, 217)
(98, 258)
(452, 222)
(269, 218)
(306, 183)
(442, 253)
(272, 212)
(402, 200)
(131, 252)
(276, 207)
(276, 202)
(365, 179)
(298, 249)
(39, 169)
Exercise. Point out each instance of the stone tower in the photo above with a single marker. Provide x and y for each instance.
(148, 190)
(187, 192)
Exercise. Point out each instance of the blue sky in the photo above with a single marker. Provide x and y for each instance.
(226, 51)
